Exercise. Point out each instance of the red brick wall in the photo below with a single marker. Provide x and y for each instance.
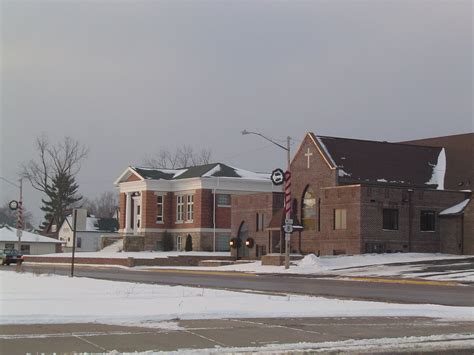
(122, 202)
(408, 237)
(451, 232)
(468, 229)
(328, 240)
(245, 209)
(317, 176)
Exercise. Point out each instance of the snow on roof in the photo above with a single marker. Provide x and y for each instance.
(439, 170)
(246, 174)
(91, 224)
(8, 234)
(213, 171)
(456, 209)
(200, 171)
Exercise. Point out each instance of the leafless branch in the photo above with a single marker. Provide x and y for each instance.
(64, 157)
(182, 157)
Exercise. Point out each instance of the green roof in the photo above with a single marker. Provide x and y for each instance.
(199, 171)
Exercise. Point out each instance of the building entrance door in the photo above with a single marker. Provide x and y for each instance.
(242, 250)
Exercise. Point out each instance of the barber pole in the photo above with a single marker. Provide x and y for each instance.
(288, 194)
(19, 223)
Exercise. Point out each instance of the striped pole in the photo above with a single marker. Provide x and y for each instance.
(19, 223)
(288, 194)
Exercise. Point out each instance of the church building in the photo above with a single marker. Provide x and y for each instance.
(356, 196)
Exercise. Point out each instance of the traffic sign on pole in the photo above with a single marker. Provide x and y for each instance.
(277, 177)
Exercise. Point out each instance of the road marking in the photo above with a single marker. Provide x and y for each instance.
(200, 272)
(204, 337)
(400, 281)
(91, 343)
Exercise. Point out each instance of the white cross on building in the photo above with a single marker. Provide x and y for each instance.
(308, 155)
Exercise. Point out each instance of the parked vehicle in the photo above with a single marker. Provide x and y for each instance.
(11, 256)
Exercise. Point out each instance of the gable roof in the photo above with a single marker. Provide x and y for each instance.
(199, 171)
(8, 234)
(364, 161)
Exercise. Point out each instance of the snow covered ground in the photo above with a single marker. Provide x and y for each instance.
(364, 265)
(28, 298)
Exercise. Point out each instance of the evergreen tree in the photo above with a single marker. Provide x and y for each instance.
(61, 196)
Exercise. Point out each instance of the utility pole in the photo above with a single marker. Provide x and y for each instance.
(74, 223)
(19, 226)
(288, 221)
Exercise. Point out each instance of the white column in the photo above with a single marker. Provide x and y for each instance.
(128, 204)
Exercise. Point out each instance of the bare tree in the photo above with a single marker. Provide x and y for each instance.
(183, 157)
(63, 158)
(53, 173)
(104, 206)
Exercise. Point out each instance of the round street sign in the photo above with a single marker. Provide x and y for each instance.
(288, 228)
(278, 177)
(13, 205)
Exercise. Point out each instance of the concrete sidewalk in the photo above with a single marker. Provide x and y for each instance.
(271, 335)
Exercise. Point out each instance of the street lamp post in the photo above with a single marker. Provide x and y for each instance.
(287, 200)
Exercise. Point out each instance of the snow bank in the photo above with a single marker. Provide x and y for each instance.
(309, 260)
(60, 299)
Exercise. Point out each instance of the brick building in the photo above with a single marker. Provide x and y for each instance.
(184, 203)
(356, 196)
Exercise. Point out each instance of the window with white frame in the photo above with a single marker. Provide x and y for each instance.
(190, 208)
(159, 209)
(179, 243)
(179, 208)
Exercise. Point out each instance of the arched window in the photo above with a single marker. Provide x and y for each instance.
(308, 209)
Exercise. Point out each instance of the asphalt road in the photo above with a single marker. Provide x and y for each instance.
(386, 291)
(276, 336)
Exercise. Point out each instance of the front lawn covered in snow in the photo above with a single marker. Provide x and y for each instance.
(30, 298)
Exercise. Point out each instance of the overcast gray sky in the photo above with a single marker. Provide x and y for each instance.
(127, 78)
